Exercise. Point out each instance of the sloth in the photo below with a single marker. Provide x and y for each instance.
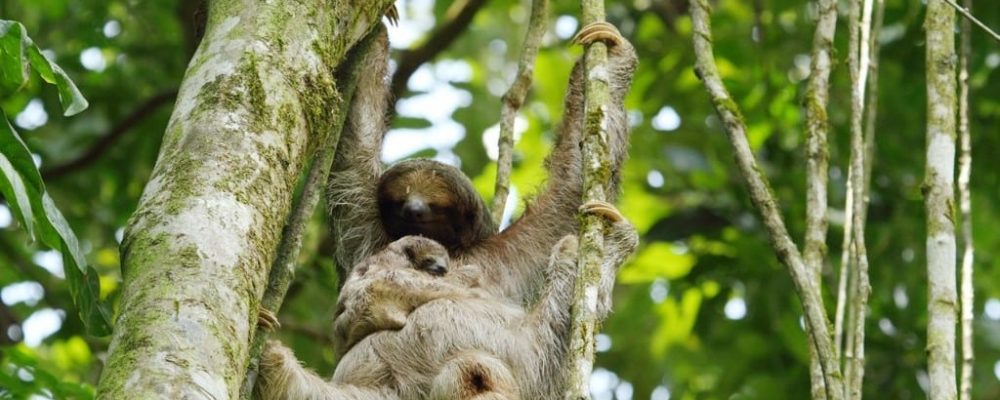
(412, 327)
(498, 327)
(369, 207)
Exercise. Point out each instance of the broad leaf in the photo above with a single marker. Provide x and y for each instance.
(13, 60)
(17, 52)
(21, 183)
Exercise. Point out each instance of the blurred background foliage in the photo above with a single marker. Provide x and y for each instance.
(704, 311)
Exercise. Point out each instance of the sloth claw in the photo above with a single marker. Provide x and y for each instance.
(267, 320)
(392, 14)
(603, 209)
(599, 32)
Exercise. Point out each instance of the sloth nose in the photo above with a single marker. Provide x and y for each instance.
(416, 209)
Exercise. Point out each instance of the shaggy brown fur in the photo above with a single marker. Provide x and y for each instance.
(416, 338)
(405, 333)
(513, 260)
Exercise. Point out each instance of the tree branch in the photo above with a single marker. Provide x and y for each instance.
(512, 101)
(967, 13)
(965, 209)
(580, 357)
(817, 162)
(96, 150)
(763, 199)
(460, 15)
(255, 101)
(859, 288)
(283, 269)
(939, 200)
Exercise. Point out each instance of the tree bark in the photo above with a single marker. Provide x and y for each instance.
(967, 291)
(817, 162)
(596, 175)
(939, 198)
(253, 104)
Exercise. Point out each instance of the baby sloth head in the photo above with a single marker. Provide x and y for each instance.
(425, 254)
(415, 252)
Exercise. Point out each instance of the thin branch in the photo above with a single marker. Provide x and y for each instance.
(817, 162)
(283, 268)
(96, 150)
(965, 209)
(939, 200)
(512, 101)
(859, 288)
(763, 199)
(580, 359)
(871, 109)
(967, 13)
(459, 16)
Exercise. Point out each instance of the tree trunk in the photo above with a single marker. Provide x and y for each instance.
(939, 197)
(253, 104)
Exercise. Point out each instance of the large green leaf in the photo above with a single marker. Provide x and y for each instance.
(22, 187)
(17, 53)
(13, 60)
(12, 173)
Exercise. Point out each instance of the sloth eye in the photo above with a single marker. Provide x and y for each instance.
(433, 266)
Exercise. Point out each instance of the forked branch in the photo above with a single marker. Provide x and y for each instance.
(763, 199)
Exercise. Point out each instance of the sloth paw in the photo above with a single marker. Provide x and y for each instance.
(392, 14)
(267, 320)
(603, 209)
(599, 32)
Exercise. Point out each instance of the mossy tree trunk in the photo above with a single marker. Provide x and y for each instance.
(253, 105)
(939, 199)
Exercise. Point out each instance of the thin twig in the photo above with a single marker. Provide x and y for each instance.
(763, 199)
(458, 16)
(817, 163)
(967, 13)
(861, 15)
(965, 209)
(871, 109)
(95, 151)
(845, 286)
(512, 101)
(283, 268)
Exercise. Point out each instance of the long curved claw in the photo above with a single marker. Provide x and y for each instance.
(599, 32)
(603, 209)
(392, 14)
(267, 320)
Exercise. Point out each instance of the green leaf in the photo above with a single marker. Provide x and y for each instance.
(12, 172)
(72, 100)
(13, 62)
(14, 46)
(84, 281)
(17, 152)
(21, 184)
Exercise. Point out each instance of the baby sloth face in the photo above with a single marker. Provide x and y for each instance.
(425, 255)
(409, 252)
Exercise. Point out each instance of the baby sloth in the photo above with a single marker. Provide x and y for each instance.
(382, 291)
(412, 326)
